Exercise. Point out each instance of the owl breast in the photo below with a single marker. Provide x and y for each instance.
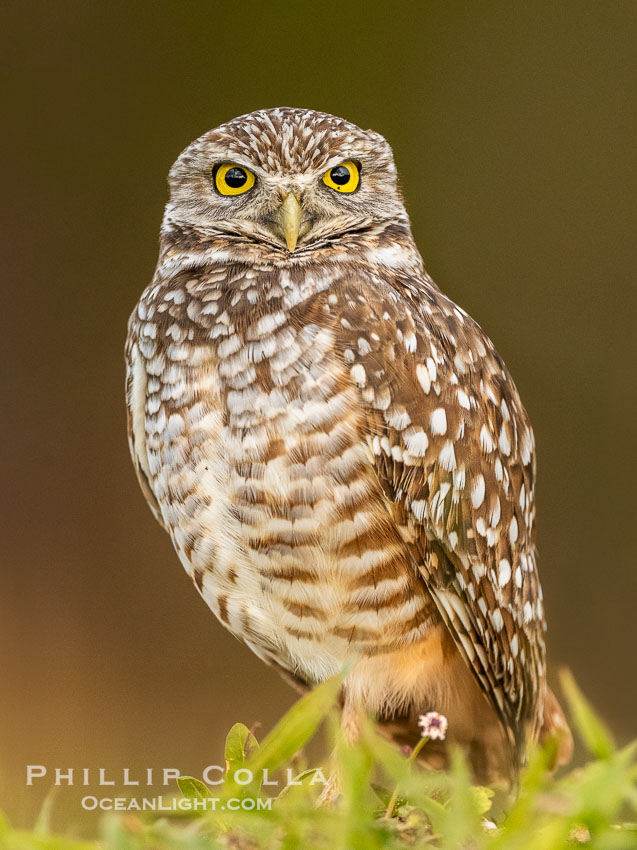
(255, 457)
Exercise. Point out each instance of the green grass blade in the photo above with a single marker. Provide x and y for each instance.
(593, 732)
(297, 726)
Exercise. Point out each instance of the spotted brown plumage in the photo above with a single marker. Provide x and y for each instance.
(340, 456)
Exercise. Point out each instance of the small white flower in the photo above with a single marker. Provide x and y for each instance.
(433, 725)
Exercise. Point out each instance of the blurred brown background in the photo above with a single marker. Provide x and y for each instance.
(515, 129)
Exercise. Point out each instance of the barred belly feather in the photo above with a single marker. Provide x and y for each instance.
(257, 457)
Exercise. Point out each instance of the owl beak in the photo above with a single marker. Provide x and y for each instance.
(290, 214)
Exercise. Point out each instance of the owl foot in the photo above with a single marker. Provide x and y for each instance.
(331, 791)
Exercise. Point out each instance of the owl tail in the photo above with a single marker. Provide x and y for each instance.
(555, 728)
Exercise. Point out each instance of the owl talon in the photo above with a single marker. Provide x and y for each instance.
(331, 792)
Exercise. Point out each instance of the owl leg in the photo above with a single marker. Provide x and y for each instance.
(554, 726)
(350, 721)
(351, 732)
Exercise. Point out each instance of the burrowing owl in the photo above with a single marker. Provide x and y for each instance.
(337, 451)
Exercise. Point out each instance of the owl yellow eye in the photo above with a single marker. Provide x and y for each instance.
(343, 178)
(232, 179)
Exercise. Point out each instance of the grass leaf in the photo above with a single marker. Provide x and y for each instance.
(593, 732)
(193, 789)
(240, 744)
(297, 726)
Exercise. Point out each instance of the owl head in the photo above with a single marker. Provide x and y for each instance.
(291, 179)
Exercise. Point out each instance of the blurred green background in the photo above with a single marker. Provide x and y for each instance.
(515, 129)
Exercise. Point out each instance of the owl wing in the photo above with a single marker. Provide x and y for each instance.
(454, 452)
(136, 395)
